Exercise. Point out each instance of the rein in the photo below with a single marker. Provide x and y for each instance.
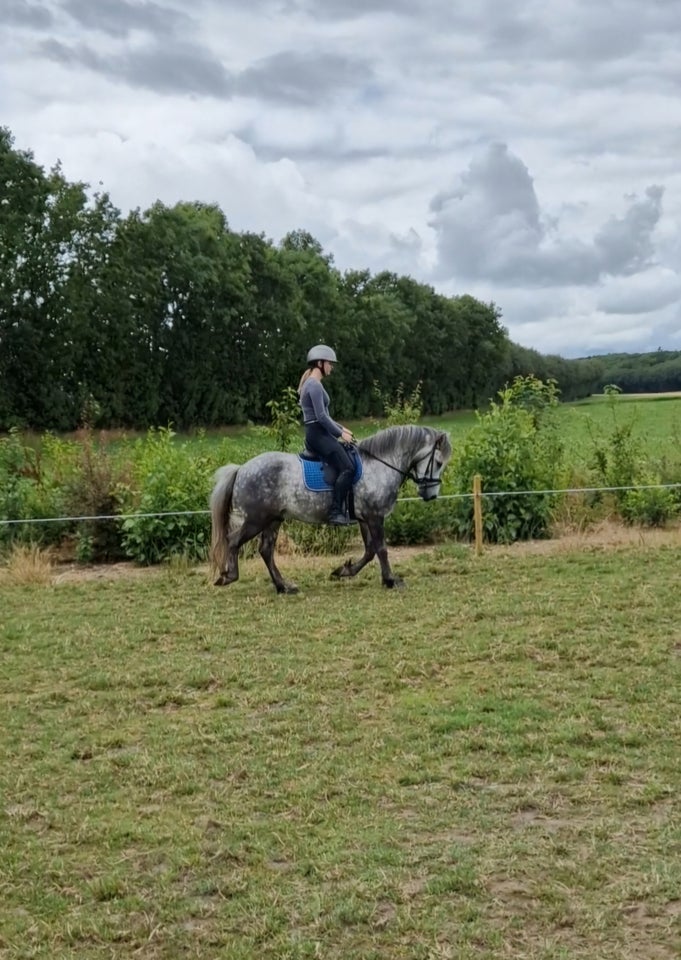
(428, 480)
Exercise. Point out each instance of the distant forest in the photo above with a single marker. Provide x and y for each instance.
(657, 372)
(169, 316)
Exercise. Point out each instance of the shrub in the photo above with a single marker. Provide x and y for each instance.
(93, 490)
(649, 506)
(618, 461)
(418, 522)
(31, 488)
(285, 417)
(515, 447)
(166, 477)
(400, 409)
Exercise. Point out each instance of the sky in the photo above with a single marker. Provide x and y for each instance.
(524, 152)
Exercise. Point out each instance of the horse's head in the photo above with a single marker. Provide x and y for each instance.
(430, 460)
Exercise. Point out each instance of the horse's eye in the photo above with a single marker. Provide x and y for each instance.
(438, 464)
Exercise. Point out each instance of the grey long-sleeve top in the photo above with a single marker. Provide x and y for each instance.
(314, 401)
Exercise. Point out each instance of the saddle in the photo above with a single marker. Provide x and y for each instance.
(319, 475)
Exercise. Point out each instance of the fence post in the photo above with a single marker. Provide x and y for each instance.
(477, 512)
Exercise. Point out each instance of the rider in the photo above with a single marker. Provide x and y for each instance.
(323, 435)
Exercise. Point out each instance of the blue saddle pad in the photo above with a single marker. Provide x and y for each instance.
(313, 473)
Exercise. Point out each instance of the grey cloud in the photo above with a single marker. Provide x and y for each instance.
(302, 78)
(349, 9)
(491, 228)
(23, 14)
(180, 69)
(119, 17)
(80, 55)
(171, 68)
(625, 245)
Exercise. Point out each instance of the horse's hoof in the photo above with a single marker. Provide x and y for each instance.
(221, 581)
(288, 589)
(396, 583)
(344, 571)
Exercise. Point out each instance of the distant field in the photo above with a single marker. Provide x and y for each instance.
(483, 766)
(657, 423)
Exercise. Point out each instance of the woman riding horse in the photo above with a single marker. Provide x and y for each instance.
(323, 435)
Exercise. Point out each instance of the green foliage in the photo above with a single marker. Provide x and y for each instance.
(400, 408)
(650, 507)
(92, 490)
(536, 396)
(166, 477)
(619, 461)
(30, 491)
(416, 522)
(655, 372)
(285, 417)
(514, 447)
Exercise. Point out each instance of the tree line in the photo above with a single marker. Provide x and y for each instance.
(656, 372)
(169, 316)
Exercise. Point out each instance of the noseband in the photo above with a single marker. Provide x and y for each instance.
(428, 479)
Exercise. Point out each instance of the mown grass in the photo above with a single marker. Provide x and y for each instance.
(485, 765)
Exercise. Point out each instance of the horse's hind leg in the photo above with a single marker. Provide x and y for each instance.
(351, 568)
(246, 532)
(268, 539)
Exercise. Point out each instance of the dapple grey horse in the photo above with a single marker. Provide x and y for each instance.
(256, 497)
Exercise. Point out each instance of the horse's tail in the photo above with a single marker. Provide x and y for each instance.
(220, 509)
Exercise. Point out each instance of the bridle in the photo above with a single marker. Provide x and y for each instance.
(427, 480)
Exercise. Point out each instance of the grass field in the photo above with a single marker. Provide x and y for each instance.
(485, 765)
(656, 421)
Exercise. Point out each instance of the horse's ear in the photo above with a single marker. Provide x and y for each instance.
(440, 440)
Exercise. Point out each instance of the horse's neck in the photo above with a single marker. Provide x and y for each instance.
(408, 453)
(402, 457)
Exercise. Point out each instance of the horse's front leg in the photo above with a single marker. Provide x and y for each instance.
(268, 539)
(351, 568)
(377, 533)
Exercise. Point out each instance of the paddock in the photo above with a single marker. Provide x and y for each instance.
(482, 765)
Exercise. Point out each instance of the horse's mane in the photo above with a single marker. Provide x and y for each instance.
(384, 442)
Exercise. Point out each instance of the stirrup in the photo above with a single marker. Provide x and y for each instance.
(339, 519)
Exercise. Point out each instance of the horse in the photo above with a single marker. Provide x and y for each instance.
(255, 498)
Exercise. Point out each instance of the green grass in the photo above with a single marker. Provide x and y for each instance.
(484, 765)
(657, 421)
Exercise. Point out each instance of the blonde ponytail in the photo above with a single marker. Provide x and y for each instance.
(307, 373)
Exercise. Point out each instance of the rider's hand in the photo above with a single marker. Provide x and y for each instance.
(346, 436)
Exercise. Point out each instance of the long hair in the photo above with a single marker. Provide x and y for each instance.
(307, 373)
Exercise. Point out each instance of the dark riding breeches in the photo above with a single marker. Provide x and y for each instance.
(333, 452)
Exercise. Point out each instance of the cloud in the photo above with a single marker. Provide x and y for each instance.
(525, 153)
(624, 245)
(644, 293)
(303, 77)
(171, 68)
(22, 14)
(491, 227)
(119, 17)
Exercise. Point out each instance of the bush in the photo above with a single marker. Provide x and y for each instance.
(166, 477)
(414, 522)
(514, 447)
(618, 461)
(93, 490)
(651, 507)
(31, 488)
(400, 409)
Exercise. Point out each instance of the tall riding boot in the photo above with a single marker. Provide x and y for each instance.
(338, 515)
